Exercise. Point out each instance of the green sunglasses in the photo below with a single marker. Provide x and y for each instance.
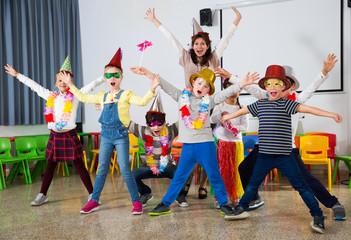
(110, 75)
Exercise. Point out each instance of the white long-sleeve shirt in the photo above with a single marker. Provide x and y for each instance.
(59, 100)
(240, 123)
(302, 97)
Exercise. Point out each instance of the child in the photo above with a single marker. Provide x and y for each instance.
(200, 56)
(197, 138)
(274, 116)
(114, 121)
(157, 138)
(246, 167)
(230, 148)
(60, 114)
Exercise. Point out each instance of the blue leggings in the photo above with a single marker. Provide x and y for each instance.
(204, 154)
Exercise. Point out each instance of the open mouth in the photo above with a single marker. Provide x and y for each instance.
(199, 52)
(157, 132)
(113, 84)
(199, 92)
(274, 94)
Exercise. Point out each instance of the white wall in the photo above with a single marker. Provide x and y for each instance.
(109, 24)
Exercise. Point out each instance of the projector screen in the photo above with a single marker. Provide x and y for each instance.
(298, 33)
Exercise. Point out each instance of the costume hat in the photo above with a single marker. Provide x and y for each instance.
(116, 60)
(290, 73)
(156, 106)
(274, 71)
(66, 66)
(206, 74)
(196, 27)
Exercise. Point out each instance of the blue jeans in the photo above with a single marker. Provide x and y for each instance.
(287, 165)
(106, 150)
(205, 154)
(145, 172)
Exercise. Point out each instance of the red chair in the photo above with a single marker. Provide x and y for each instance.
(331, 150)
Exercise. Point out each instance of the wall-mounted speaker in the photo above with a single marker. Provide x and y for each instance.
(349, 3)
(206, 17)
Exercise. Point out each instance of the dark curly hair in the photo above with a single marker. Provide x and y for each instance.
(205, 58)
(153, 116)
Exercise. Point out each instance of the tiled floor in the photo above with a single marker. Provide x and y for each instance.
(284, 216)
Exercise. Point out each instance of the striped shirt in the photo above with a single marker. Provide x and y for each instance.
(274, 129)
(140, 131)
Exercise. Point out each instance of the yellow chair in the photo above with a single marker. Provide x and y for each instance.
(133, 149)
(314, 150)
(113, 165)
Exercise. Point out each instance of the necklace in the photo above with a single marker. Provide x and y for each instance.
(66, 113)
(203, 112)
(149, 148)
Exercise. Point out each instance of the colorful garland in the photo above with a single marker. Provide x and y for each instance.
(149, 148)
(203, 112)
(66, 113)
(229, 126)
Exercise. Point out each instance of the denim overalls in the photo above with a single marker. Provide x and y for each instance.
(113, 135)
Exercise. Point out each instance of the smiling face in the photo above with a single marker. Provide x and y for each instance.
(274, 88)
(200, 87)
(113, 77)
(200, 46)
(61, 85)
(156, 127)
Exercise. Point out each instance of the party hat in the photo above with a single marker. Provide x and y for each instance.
(196, 27)
(116, 60)
(66, 66)
(156, 105)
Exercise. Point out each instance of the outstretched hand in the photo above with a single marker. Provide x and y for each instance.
(249, 79)
(238, 16)
(10, 70)
(329, 64)
(150, 14)
(337, 118)
(142, 71)
(66, 78)
(220, 72)
(155, 82)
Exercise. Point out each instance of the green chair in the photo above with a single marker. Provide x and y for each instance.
(41, 141)
(7, 158)
(141, 152)
(27, 147)
(347, 161)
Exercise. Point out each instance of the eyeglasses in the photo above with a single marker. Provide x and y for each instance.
(154, 124)
(274, 83)
(110, 75)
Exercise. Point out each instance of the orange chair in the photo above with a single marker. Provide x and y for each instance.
(314, 150)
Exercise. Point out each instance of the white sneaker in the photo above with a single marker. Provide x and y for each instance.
(39, 200)
(216, 205)
(89, 198)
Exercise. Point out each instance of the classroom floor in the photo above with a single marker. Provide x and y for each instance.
(284, 216)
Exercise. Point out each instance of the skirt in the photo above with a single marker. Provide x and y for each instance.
(230, 155)
(63, 147)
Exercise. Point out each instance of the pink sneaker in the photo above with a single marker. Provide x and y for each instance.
(137, 208)
(90, 207)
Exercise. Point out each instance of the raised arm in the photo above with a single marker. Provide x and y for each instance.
(150, 15)
(40, 90)
(328, 65)
(223, 43)
(252, 89)
(92, 85)
(166, 86)
(319, 112)
(235, 114)
(97, 98)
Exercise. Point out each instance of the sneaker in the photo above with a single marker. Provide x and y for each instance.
(339, 212)
(145, 198)
(90, 207)
(137, 208)
(318, 224)
(89, 198)
(160, 209)
(182, 201)
(254, 204)
(238, 213)
(216, 205)
(39, 200)
(226, 209)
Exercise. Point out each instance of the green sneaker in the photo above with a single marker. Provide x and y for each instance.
(160, 209)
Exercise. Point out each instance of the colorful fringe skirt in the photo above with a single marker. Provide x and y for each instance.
(230, 155)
